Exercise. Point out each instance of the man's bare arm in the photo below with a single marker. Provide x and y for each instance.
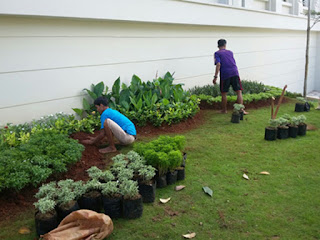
(93, 140)
(216, 74)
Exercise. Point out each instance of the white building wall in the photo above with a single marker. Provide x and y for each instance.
(46, 62)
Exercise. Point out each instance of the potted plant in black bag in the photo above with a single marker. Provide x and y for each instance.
(91, 198)
(293, 127)
(112, 198)
(175, 160)
(302, 106)
(66, 198)
(283, 129)
(302, 126)
(271, 130)
(146, 183)
(237, 109)
(132, 200)
(46, 218)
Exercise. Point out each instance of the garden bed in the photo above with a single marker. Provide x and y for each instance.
(13, 203)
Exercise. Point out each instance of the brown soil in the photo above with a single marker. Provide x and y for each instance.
(187, 125)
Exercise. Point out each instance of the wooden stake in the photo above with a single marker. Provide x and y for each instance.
(279, 103)
(272, 106)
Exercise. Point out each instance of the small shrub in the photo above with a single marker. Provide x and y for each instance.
(45, 205)
(147, 173)
(129, 189)
(110, 189)
(125, 174)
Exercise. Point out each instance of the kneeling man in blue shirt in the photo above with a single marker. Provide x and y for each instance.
(113, 123)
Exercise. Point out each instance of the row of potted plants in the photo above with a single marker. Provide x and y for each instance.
(165, 154)
(117, 191)
(286, 126)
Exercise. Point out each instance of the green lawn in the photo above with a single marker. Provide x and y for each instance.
(282, 205)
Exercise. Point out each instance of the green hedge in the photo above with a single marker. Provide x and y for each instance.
(247, 98)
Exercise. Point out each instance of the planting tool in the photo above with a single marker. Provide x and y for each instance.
(279, 103)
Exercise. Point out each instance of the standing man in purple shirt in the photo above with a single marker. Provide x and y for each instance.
(229, 75)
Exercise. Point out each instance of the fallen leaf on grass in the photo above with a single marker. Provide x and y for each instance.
(245, 176)
(265, 173)
(180, 187)
(208, 191)
(189, 235)
(165, 200)
(24, 230)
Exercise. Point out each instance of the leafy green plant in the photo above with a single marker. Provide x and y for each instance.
(48, 190)
(287, 116)
(125, 174)
(162, 153)
(283, 122)
(65, 192)
(294, 121)
(33, 162)
(158, 101)
(45, 205)
(93, 185)
(110, 189)
(301, 119)
(274, 123)
(237, 108)
(301, 99)
(129, 189)
(146, 173)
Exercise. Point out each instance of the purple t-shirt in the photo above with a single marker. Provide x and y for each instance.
(228, 66)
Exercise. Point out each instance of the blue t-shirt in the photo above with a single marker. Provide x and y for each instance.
(119, 119)
(228, 66)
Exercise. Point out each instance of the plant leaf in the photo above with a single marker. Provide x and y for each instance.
(78, 111)
(86, 105)
(180, 187)
(189, 235)
(265, 173)
(165, 200)
(208, 191)
(98, 89)
(245, 176)
(24, 230)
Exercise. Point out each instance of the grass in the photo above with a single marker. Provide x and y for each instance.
(282, 205)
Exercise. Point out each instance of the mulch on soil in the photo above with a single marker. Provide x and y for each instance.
(13, 203)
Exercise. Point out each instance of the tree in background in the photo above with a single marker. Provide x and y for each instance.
(315, 17)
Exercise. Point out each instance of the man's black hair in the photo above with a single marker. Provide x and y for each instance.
(222, 42)
(101, 100)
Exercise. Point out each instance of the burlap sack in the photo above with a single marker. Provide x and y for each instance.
(82, 225)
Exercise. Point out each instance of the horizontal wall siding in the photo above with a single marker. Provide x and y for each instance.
(45, 63)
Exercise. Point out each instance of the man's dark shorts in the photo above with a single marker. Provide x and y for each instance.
(233, 81)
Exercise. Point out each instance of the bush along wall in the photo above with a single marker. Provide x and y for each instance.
(165, 155)
(156, 102)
